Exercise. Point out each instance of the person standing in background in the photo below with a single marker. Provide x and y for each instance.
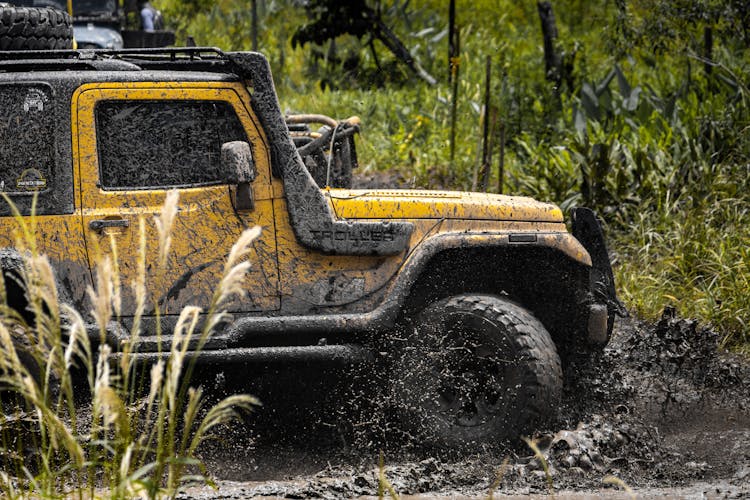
(151, 19)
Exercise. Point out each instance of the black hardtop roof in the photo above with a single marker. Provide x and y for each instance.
(187, 59)
(74, 79)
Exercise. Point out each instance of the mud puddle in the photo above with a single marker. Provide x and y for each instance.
(660, 411)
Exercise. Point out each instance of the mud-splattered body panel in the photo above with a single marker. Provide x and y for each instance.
(330, 261)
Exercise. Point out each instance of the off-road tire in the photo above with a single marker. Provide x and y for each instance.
(475, 370)
(34, 28)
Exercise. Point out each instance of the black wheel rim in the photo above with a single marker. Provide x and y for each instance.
(468, 374)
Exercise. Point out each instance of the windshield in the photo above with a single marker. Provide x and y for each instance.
(94, 7)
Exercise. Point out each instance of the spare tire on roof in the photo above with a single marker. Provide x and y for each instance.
(34, 28)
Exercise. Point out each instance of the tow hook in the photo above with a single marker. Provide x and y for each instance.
(598, 324)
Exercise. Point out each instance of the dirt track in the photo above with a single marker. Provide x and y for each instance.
(660, 408)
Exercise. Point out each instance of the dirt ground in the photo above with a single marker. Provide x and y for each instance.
(661, 411)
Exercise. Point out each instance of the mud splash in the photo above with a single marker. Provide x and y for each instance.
(659, 407)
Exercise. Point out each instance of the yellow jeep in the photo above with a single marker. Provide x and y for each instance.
(480, 298)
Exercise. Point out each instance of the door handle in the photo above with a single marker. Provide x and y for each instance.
(100, 224)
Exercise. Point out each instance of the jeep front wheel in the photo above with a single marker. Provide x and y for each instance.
(476, 369)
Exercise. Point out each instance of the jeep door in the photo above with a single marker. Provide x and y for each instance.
(138, 141)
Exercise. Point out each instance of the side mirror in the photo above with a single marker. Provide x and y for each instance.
(237, 160)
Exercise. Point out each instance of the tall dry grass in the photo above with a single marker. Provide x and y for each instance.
(96, 434)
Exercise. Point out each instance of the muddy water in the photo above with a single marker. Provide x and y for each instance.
(660, 410)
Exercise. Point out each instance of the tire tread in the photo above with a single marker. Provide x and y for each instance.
(534, 343)
(34, 28)
(541, 376)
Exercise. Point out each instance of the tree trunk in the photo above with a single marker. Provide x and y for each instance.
(484, 171)
(501, 164)
(552, 60)
(454, 108)
(708, 49)
(452, 49)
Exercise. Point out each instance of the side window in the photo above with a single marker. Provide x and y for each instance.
(26, 138)
(164, 143)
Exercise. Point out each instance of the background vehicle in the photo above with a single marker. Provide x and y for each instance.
(105, 24)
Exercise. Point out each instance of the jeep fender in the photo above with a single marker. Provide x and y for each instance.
(547, 273)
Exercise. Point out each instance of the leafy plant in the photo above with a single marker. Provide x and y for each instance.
(645, 134)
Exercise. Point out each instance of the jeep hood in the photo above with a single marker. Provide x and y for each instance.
(418, 204)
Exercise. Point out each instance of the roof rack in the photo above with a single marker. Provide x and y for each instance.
(151, 53)
(171, 58)
(171, 53)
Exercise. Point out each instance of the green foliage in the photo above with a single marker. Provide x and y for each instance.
(646, 133)
(693, 253)
(669, 26)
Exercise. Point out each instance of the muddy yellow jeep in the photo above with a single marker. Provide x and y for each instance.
(481, 298)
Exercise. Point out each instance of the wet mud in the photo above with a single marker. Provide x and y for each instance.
(661, 410)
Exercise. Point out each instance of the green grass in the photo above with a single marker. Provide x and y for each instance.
(694, 255)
